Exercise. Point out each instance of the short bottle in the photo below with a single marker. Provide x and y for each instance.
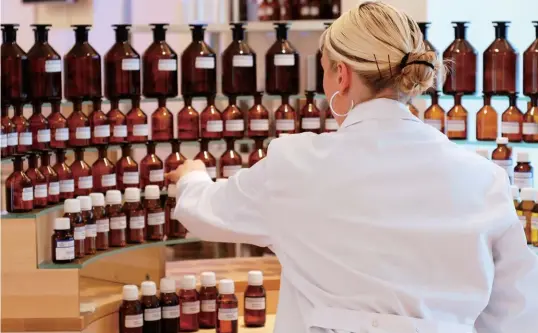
(512, 121)
(188, 122)
(23, 128)
(258, 153)
(230, 161)
(162, 122)
(487, 122)
(99, 124)
(11, 139)
(118, 123)
(530, 122)
(137, 123)
(435, 115)
(525, 210)
(173, 160)
(52, 179)
(103, 172)
(127, 170)
(59, 132)
(151, 168)
(173, 228)
(514, 190)
(82, 174)
(169, 302)
(151, 307)
(255, 312)
(90, 245)
(310, 115)
(39, 126)
(79, 126)
(285, 118)
(258, 118)
(154, 213)
(118, 221)
(19, 189)
(63, 243)
(456, 120)
(65, 175)
(39, 181)
(208, 299)
(523, 172)
(227, 307)
(102, 221)
(502, 156)
(534, 224)
(211, 124)
(209, 160)
(234, 121)
(131, 313)
(189, 304)
(72, 212)
(136, 216)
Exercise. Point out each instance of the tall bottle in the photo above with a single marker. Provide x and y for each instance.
(310, 115)
(461, 57)
(238, 65)
(173, 160)
(82, 66)
(282, 65)
(160, 66)
(500, 64)
(456, 120)
(258, 153)
(39, 181)
(255, 312)
(502, 156)
(227, 308)
(188, 122)
(82, 174)
(137, 123)
(59, 132)
(234, 122)
(14, 63)
(79, 127)
(435, 115)
(52, 178)
(103, 173)
(99, 124)
(486, 122)
(530, 122)
(122, 67)
(155, 216)
(230, 161)
(118, 123)
(127, 170)
(285, 118)
(151, 168)
(512, 121)
(530, 67)
(65, 175)
(211, 124)
(136, 216)
(429, 47)
(198, 66)
(23, 128)
(258, 118)
(209, 160)
(19, 189)
(162, 122)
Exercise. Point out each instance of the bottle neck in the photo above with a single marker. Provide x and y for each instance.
(198, 34)
(18, 109)
(5, 109)
(102, 152)
(162, 102)
(232, 100)
(55, 107)
(79, 154)
(175, 146)
(151, 148)
(122, 34)
(188, 101)
(534, 101)
(435, 98)
(460, 31)
(457, 99)
(45, 159)
(285, 99)
(487, 100)
(258, 144)
(258, 99)
(211, 100)
(513, 100)
(77, 106)
(41, 35)
(230, 144)
(126, 150)
(9, 35)
(36, 108)
(17, 164)
(60, 156)
(310, 97)
(81, 35)
(204, 145)
(238, 33)
(500, 31)
(114, 104)
(159, 34)
(135, 102)
(97, 104)
(32, 161)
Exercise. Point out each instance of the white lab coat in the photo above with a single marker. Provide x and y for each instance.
(384, 226)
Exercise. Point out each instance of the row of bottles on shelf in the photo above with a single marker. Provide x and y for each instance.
(526, 204)
(190, 310)
(285, 10)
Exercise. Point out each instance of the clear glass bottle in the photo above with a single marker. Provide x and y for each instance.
(209, 160)
(82, 174)
(211, 121)
(310, 115)
(282, 65)
(59, 132)
(169, 302)
(230, 161)
(53, 180)
(39, 126)
(258, 153)
(90, 228)
(435, 115)
(530, 67)
(461, 58)
(14, 66)
(227, 308)
(188, 122)
(118, 221)
(530, 122)
(155, 213)
(198, 66)
(502, 156)
(127, 170)
(136, 216)
(72, 212)
(189, 304)
(62, 242)
(162, 122)
(258, 118)
(173, 160)
(23, 128)
(500, 64)
(234, 121)
(238, 65)
(19, 189)
(137, 123)
(118, 123)
(131, 314)
(486, 122)
(285, 118)
(160, 66)
(65, 175)
(103, 172)
(79, 126)
(101, 220)
(151, 168)
(255, 312)
(39, 182)
(512, 121)
(456, 120)
(523, 172)
(99, 124)
(173, 228)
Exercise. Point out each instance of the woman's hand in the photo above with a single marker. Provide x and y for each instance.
(187, 167)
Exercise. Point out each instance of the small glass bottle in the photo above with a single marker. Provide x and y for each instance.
(435, 115)
(72, 212)
(136, 216)
(255, 312)
(59, 132)
(336, 8)
(258, 118)
(286, 10)
(486, 122)
(10, 130)
(230, 161)
(79, 127)
(4, 151)
(137, 123)
(211, 121)
(188, 119)
(238, 65)
(515, 195)
(423, 26)
(65, 175)
(174, 160)
(63, 243)
(512, 121)
(530, 68)
(523, 172)
(413, 109)
(304, 9)
(127, 170)
(103, 172)
(23, 128)
(151, 168)
(461, 58)
(208, 300)
(151, 307)
(198, 66)
(14, 66)
(530, 122)
(90, 245)
(39, 126)
(227, 308)
(525, 210)
(169, 302)
(39, 181)
(285, 118)
(500, 64)
(209, 160)
(155, 213)
(189, 304)
(282, 65)
(19, 189)
(118, 221)
(310, 115)
(82, 174)
(162, 122)
(502, 156)
(173, 228)
(330, 123)
(456, 120)
(234, 122)
(160, 66)
(101, 220)
(52, 179)
(258, 153)
(99, 124)
(131, 313)
(118, 123)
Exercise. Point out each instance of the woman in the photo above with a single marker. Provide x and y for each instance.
(385, 225)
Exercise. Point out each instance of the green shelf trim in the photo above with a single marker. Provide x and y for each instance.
(31, 214)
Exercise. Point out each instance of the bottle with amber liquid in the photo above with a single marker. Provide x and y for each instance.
(234, 122)
(258, 118)
(461, 58)
(512, 121)
(89, 223)
(100, 127)
(162, 122)
(14, 64)
(127, 170)
(136, 216)
(65, 175)
(39, 126)
(198, 66)
(173, 160)
(258, 153)
(208, 299)
(530, 122)
(39, 182)
(319, 68)
(154, 213)
(525, 210)
(23, 128)
(79, 126)
(188, 122)
(118, 220)
(59, 132)
(137, 123)
(486, 122)
(530, 67)
(238, 65)
(151, 307)
(19, 189)
(254, 314)
(122, 67)
(118, 123)
(169, 302)
(63, 243)
(82, 66)
(515, 195)
(456, 120)
(82, 174)
(131, 314)
(173, 228)
(72, 212)
(310, 115)
(103, 172)
(502, 156)
(429, 47)
(523, 172)
(211, 123)
(285, 118)
(230, 161)
(51, 177)
(209, 160)
(189, 304)
(10, 130)
(160, 66)
(101, 221)
(227, 308)
(282, 65)
(151, 168)
(500, 64)
(435, 115)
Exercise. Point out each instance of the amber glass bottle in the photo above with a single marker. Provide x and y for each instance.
(456, 120)
(461, 58)
(19, 189)
(512, 121)
(122, 67)
(319, 68)
(429, 47)
(118, 123)
(136, 216)
(173, 228)
(10, 130)
(227, 308)
(486, 122)
(79, 127)
(189, 304)
(118, 221)
(101, 220)
(530, 67)
(5, 150)
(282, 65)
(230, 161)
(62, 242)
(162, 123)
(515, 195)
(234, 122)
(103, 172)
(39, 181)
(137, 123)
(502, 156)
(258, 118)
(65, 175)
(72, 212)
(160, 66)
(59, 132)
(151, 168)
(258, 153)
(131, 314)
(23, 128)
(82, 66)
(209, 160)
(286, 10)
(99, 124)
(188, 119)
(211, 121)
(435, 115)
(52, 178)
(310, 115)
(173, 160)
(198, 66)
(82, 173)
(14, 66)
(169, 302)
(525, 210)
(500, 64)
(523, 172)
(208, 299)
(530, 122)
(127, 170)
(303, 9)
(285, 118)
(255, 300)
(39, 126)
(272, 10)
(154, 213)
(89, 223)
(238, 65)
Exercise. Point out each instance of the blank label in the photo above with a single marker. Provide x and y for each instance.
(156, 218)
(120, 131)
(230, 170)
(212, 172)
(83, 133)
(25, 139)
(85, 182)
(435, 123)
(43, 135)
(530, 128)
(62, 134)
(243, 61)
(236, 125)
(53, 66)
(510, 127)
(40, 191)
(137, 222)
(167, 65)
(119, 222)
(214, 126)
(156, 175)
(285, 124)
(108, 180)
(130, 64)
(259, 124)
(456, 125)
(285, 60)
(101, 131)
(131, 177)
(310, 123)
(331, 124)
(204, 63)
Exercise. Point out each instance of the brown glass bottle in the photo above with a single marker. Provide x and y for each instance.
(315, 9)
(101, 220)
(65, 175)
(154, 213)
(82, 174)
(282, 65)
(137, 123)
(304, 9)
(169, 302)
(62, 242)
(512, 121)
(429, 47)
(198, 66)
(72, 212)
(336, 8)
(310, 115)
(79, 126)
(319, 68)
(258, 153)
(90, 226)
(530, 67)
(234, 122)
(39, 126)
(39, 182)
(14, 66)
(118, 221)
(23, 128)
(500, 64)
(122, 67)
(188, 127)
(136, 216)
(523, 172)
(45, 68)
(227, 308)
(151, 307)
(189, 304)
(456, 120)
(118, 123)
(103, 172)
(151, 168)
(131, 314)
(52, 179)
(173, 228)
(272, 10)
(461, 58)
(160, 66)
(208, 300)
(502, 156)
(486, 122)
(435, 115)
(255, 312)
(258, 118)
(162, 123)
(211, 121)
(209, 160)
(10, 130)
(330, 123)
(82, 66)
(5, 149)
(286, 10)
(285, 118)
(230, 161)
(59, 132)
(173, 160)
(530, 122)
(100, 127)
(238, 65)
(19, 189)
(525, 210)
(127, 170)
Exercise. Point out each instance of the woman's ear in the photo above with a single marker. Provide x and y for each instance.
(344, 73)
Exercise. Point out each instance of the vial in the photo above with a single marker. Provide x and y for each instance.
(151, 307)
(189, 304)
(255, 313)
(131, 314)
(89, 222)
(208, 300)
(227, 307)
(72, 212)
(173, 228)
(118, 221)
(524, 210)
(101, 221)
(502, 156)
(63, 243)
(515, 195)
(136, 216)
(169, 306)
(523, 172)
(154, 213)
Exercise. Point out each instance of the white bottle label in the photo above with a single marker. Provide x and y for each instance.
(285, 124)
(25, 139)
(255, 303)
(118, 223)
(131, 177)
(530, 128)
(13, 139)
(259, 124)
(261, 12)
(209, 305)
(108, 180)
(67, 186)
(83, 133)
(40, 191)
(101, 131)
(331, 124)
(204, 62)
(140, 130)
(91, 230)
(243, 61)
(170, 312)
(523, 220)
(152, 314)
(214, 126)
(269, 11)
(65, 250)
(3, 140)
(54, 188)
(53, 66)
(28, 194)
(523, 179)
(314, 11)
(455, 125)
(310, 123)
(336, 10)
(137, 222)
(305, 11)
(236, 125)
(228, 314)
(510, 127)
(120, 131)
(103, 225)
(435, 123)
(85, 182)
(156, 175)
(284, 60)
(508, 167)
(61, 134)
(43, 135)
(212, 172)
(80, 233)
(167, 65)
(130, 65)
(230, 170)
(134, 321)
(190, 307)
(156, 218)
(283, 11)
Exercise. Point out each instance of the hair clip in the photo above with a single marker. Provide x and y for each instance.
(390, 65)
(380, 76)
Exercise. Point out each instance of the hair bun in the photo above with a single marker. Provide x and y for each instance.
(417, 76)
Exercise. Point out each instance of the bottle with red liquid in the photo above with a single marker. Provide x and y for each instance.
(189, 304)
(255, 315)
(122, 67)
(530, 122)
(285, 118)
(211, 121)
(238, 65)
(435, 115)
(160, 66)
(151, 168)
(5, 151)
(173, 160)
(188, 119)
(100, 127)
(136, 216)
(429, 47)
(154, 213)
(59, 132)
(227, 307)
(461, 57)
(118, 220)
(530, 67)
(512, 121)
(304, 9)
(127, 170)
(208, 300)
(82, 66)
(52, 178)
(310, 115)
(65, 175)
(45, 68)
(137, 123)
(258, 118)
(82, 174)
(282, 65)
(19, 189)
(89, 223)
(173, 228)
(336, 8)
(162, 123)
(198, 66)
(72, 212)
(169, 302)
(131, 314)
(234, 122)
(486, 122)
(500, 64)
(230, 161)
(79, 126)
(456, 120)
(10, 130)
(101, 220)
(209, 160)
(118, 123)
(39, 181)
(23, 128)
(286, 10)
(103, 172)
(14, 66)
(319, 68)
(258, 153)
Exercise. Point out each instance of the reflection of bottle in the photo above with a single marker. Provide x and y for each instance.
(486, 121)
(502, 156)
(500, 64)
(512, 122)
(282, 65)
(456, 123)
(435, 115)
(530, 122)
(461, 59)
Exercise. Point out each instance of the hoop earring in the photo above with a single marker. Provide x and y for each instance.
(336, 114)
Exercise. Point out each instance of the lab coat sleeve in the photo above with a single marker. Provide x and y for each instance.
(230, 211)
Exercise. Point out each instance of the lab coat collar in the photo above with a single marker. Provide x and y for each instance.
(379, 108)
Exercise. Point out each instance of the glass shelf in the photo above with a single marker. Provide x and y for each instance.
(81, 263)
(32, 214)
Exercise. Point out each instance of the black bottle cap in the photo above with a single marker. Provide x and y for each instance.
(197, 32)
(9, 33)
(500, 29)
(536, 27)
(122, 32)
(41, 32)
(460, 28)
(281, 30)
(81, 32)
(309, 95)
(238, 31)
(327, 24)
(159, 31)
(423, 26)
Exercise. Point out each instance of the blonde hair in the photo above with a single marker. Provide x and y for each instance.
(373, 39)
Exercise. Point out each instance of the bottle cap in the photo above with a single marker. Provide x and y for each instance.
(502, 141)
(188, 282)
(483, 152)
(132, 194)
(71, 206)
(208, 279)
(523, 157)
(528, 194)
(62, 223)
(515, 192)
(98, 199)
(130, 292)
(172, 190)
(113, 197)
(168, 285)
(85, 202)
(255, 278)
(148, 288)
(152, 192)
(226, 287)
